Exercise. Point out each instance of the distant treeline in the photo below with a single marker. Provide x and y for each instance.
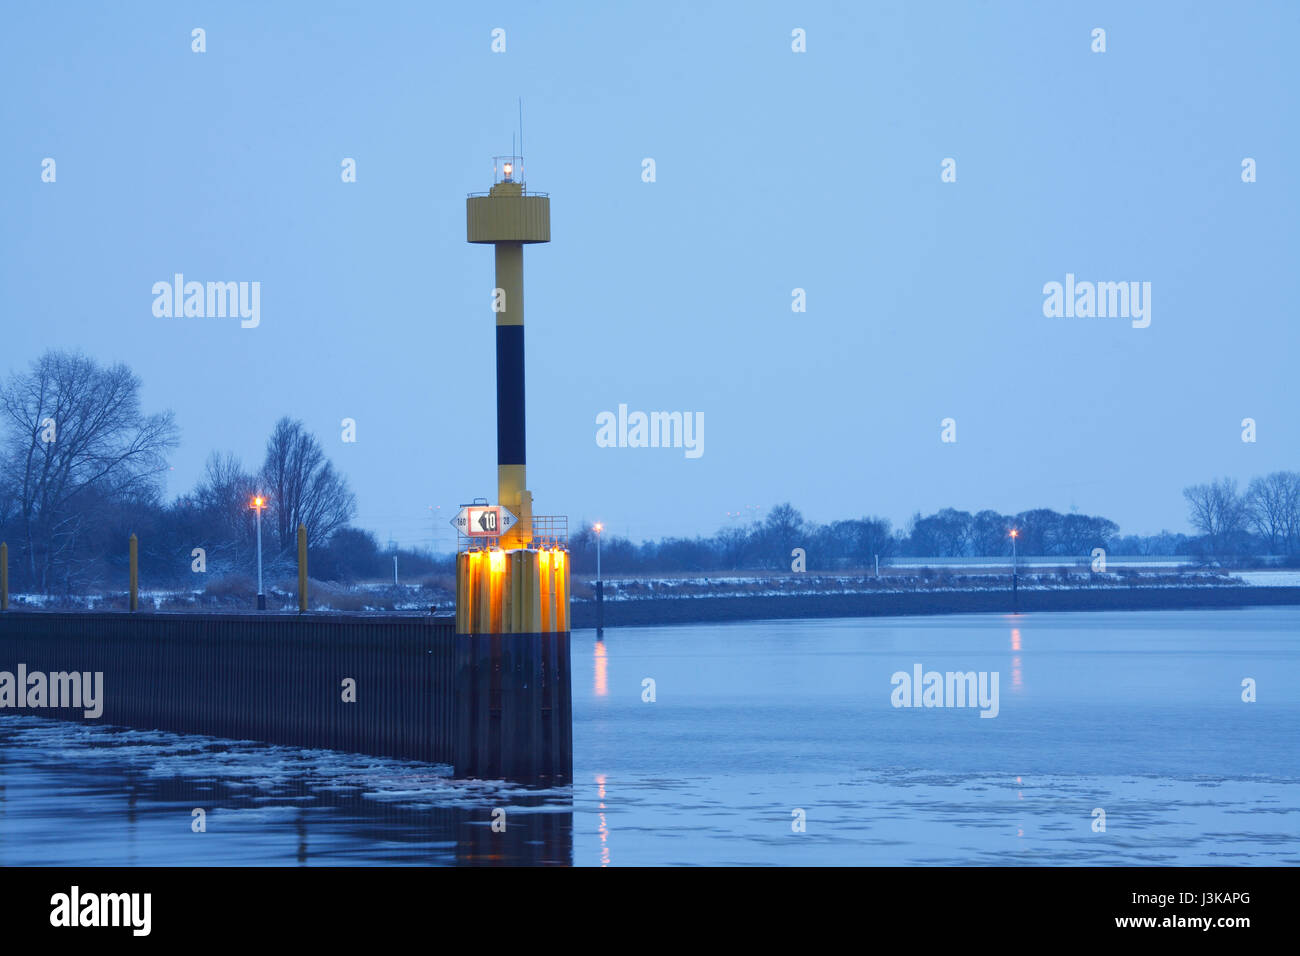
(1265, 520)
(82, 466)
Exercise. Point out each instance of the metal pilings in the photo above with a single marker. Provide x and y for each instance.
(514, 706)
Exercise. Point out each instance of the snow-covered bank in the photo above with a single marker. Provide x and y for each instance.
(928, 581)
(1271, 579)
(438, 592)
(758, 607)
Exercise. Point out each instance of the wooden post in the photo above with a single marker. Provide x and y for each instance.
(302, 569)
(135, 574)
(4, 576)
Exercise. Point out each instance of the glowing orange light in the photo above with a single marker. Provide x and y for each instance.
(259, 501)
(598, 528)
(602, 670)
(1015, 533)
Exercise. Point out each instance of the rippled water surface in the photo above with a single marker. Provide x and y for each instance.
(1137, 714)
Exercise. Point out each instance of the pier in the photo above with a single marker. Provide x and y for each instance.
(387, 685)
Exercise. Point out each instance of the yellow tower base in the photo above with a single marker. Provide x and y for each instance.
(513, 711)
(520, 591)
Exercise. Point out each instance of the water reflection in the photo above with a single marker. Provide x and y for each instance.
(602, 827)
(1017, 673)
(263, 805)
(601, 670)
(762, 715)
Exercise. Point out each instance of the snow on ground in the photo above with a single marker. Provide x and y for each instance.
(1271, 579)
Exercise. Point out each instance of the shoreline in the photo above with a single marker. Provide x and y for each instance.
(707, 610)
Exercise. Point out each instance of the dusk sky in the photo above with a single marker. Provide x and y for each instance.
(774, 170)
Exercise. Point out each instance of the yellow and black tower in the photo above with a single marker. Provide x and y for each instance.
(509, 217)
(514, 709)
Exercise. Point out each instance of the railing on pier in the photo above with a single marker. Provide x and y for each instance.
(549, 531)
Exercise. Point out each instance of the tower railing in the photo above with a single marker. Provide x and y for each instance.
(549, 531)
(526, 192)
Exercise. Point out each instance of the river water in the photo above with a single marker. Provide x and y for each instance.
(755, 743)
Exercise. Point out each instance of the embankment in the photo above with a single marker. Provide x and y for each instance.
(698, 610)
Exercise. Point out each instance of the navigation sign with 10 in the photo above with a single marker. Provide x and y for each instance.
(483, 521)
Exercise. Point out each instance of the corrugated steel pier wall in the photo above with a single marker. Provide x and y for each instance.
(269, 677)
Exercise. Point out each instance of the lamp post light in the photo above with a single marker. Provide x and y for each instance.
(600, 587)
(259, 503)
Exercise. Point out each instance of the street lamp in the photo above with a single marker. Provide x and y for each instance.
(258, 504)
(600, 587)
(1015, 566)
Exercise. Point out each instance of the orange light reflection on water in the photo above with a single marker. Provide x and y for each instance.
(603, 827)
(602, 670)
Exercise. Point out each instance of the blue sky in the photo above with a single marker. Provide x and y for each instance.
(775, 171)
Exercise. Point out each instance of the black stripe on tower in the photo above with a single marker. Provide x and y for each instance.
(510, 395)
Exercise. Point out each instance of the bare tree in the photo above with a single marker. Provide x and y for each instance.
(225, 491)
(222, 498)
(1040, 531)
(946, 533)
(1079, 534)
(990, 533)
(874, 539)
(732, 543)
(953, 529)
(303, 487)
(1219, 513)
(74, 437)
(1273, 509)
(784, 530)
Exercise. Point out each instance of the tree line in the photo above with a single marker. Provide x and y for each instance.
(849, 544)
(82, 467)
(1232, 525)
(1262, 519)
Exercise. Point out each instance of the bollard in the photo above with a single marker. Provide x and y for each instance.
(4, 576)
(302, 569)
(600, 608)
(135, 574)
